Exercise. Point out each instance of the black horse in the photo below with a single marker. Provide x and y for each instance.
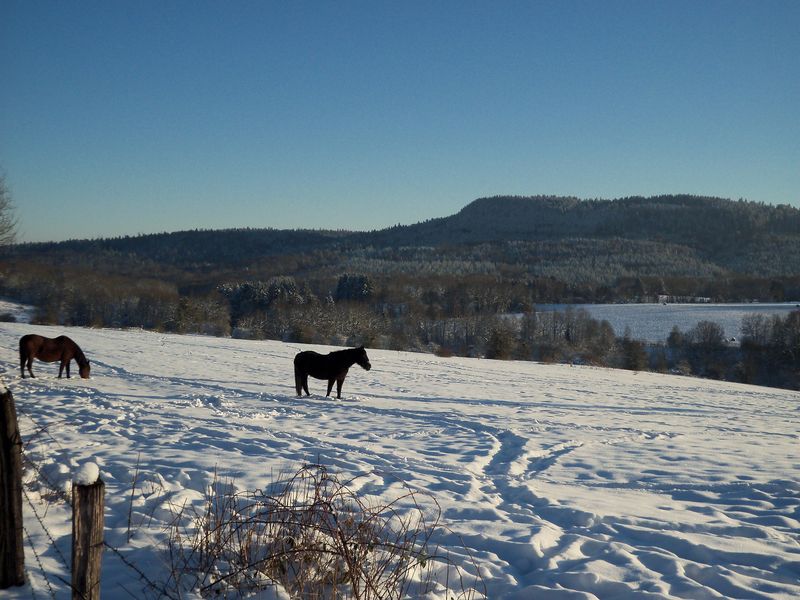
(47, 349)
(333, 367)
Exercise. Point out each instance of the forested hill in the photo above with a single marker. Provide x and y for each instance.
(707, 224)
(565, 238)
(222, 247)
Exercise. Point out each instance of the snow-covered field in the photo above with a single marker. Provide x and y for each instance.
(560, 482)
(653, 322)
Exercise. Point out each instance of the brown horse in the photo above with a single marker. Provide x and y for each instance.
(50, 350)
(332, 366)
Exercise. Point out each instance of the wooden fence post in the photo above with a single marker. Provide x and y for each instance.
(12, 553)
(87, 539)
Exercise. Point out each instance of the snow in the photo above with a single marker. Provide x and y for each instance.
(558, 481)
(20, 313)
(87, 474)
(654, 322)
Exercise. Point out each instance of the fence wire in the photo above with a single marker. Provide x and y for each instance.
(56, 496)
(42, 570)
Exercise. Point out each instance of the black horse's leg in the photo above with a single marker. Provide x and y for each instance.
(60, 369)
(330, 387)
(305, 384)
(68, 363)
(339, 383)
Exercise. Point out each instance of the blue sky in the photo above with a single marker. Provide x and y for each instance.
(119, 117)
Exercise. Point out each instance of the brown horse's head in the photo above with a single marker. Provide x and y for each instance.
(84, 368)
(362, 359)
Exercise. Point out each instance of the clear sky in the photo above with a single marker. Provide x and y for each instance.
(121, 117)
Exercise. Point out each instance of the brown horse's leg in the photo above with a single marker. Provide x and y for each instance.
(30, 367)
(22, 366)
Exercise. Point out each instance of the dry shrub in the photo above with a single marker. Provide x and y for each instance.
(310, 536)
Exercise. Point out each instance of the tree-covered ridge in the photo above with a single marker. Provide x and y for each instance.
(223, 247)
(699, 222)
(672, 235)
(556, 249)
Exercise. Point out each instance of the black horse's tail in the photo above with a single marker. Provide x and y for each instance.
(298, 376)
(23, 347)
(23, 353)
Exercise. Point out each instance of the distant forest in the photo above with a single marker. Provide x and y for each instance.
(444, 285)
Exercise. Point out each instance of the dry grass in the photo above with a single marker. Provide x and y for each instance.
(312, 537)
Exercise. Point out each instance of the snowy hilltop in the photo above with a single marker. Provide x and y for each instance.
(552, 481)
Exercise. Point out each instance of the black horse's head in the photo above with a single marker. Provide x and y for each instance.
(362, 359)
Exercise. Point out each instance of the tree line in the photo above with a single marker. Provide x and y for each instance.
(668, 235)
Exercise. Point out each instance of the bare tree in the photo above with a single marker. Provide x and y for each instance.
(8, 222)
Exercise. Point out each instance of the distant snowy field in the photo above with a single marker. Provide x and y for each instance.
(562, 482)
(19, 312)
(653, 322)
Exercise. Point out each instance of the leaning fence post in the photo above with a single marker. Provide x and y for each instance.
(87, 533)
(12, 554)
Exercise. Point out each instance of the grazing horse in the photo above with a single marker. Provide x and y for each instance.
(333, 367)
(50, 350)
